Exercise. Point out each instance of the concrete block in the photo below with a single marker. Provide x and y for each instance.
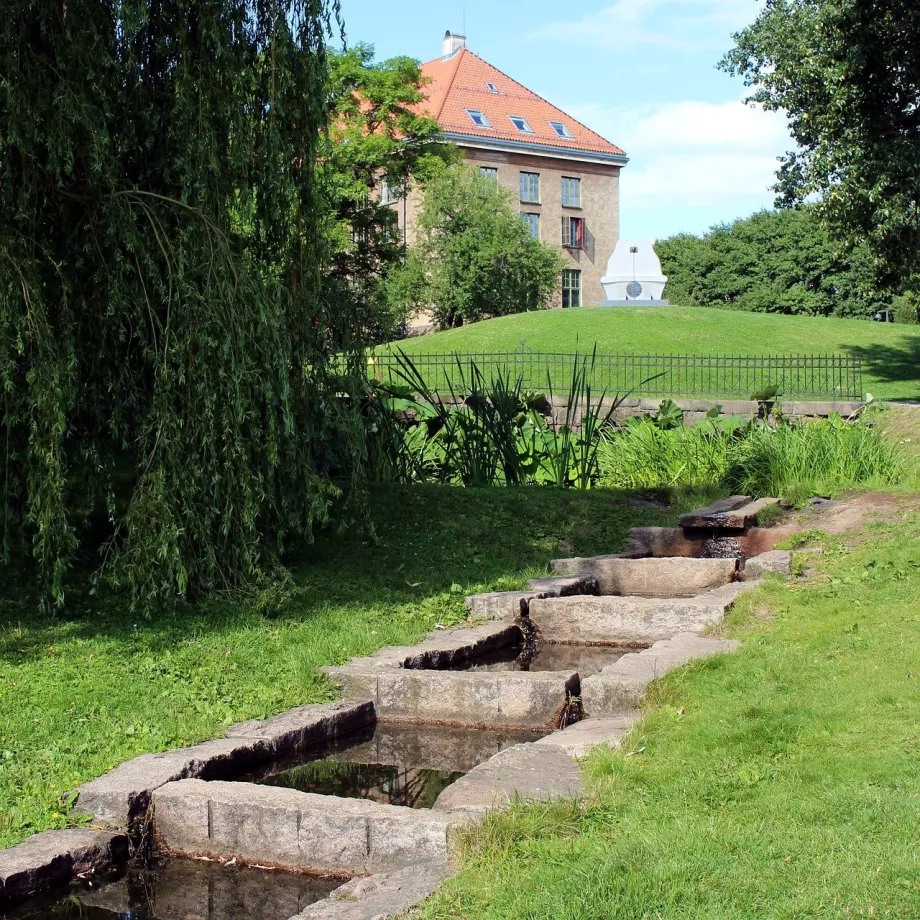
(274, 826)
(527, 770)
(653, 577)
(613, 620)
(294, 731)
(729, 514)
(660, 542)
(453, 750)
(580, 739)
(379, 897)
(474, 698)
(567, 585)
(121, 797)
(512, 604)
(777, 562)
(499, 605)
(55, 858)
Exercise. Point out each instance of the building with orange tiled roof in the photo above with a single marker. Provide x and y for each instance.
(564, 176)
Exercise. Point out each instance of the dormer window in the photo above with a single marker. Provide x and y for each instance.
(521, 124)
(492, 88)
(560, 129)
(478, 118)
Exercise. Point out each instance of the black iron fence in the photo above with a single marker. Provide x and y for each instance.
(801, 377)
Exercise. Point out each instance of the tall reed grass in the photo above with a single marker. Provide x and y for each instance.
(793, 460)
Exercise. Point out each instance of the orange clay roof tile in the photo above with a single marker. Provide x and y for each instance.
(460, 84)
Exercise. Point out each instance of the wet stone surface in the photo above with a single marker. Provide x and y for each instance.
(391, 763)
(550, 656)
(180, 889)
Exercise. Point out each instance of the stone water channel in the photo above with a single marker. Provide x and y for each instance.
(349, 810)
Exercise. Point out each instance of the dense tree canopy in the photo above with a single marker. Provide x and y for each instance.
(473, 258)
(377, 139)
(174, 383)
(773, 262)
(847, 74)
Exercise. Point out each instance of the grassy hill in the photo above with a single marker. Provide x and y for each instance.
(891, 352)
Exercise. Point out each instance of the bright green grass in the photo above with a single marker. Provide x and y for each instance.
(782, 782)
(891, 352)
(98, 686)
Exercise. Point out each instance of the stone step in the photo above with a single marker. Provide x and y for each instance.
(463, 698)
(380, 897)
(289, 829)
(121, 797)
(498, 605)
(526, 771)
(617, 690)
(610, 620)
(54, 858)
(736, 513)
(674, 576)
(672, 541)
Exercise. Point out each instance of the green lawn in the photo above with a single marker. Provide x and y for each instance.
(781, 782)
(99, 685)
(891, 352)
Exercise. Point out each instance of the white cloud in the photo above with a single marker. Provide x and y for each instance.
(677, 24)
(691, 162)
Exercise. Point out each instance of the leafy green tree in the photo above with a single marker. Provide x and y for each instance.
(473, 257)
(377, 137)
(773, 262)
(174, 385)
(847, 74)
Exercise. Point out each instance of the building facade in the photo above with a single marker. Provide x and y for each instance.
(564, 177)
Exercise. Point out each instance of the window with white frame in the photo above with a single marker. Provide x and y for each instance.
(389, 191)
(488, 172)
(521, 124)
(531, 220)
(530, 187)
(571, 288)
(492, 88)
(478, 118)
(561, 129)
(571, 192)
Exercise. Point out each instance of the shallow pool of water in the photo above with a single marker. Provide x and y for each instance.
(394, 764)
(548, 656)
(183, 889)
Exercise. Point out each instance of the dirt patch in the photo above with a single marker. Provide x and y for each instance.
(853, 512)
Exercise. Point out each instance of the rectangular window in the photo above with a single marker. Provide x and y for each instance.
(532, 222)
(530, 187)
(488, 172)
(521, 124)
(560, 129)
(388, 192)
(573, 232)
(571, 288)
(571, 192)
(492, 88)
(478, 118)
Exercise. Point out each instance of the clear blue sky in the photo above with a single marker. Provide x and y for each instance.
(641, 72)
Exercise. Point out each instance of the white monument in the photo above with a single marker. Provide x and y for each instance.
(634, 276)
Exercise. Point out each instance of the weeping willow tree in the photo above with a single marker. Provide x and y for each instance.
(174, 386)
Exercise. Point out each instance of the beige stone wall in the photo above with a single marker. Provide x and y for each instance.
(600, 207)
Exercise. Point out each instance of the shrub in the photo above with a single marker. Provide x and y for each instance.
(907, 309)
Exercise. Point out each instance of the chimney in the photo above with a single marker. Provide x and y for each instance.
(452, 45)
